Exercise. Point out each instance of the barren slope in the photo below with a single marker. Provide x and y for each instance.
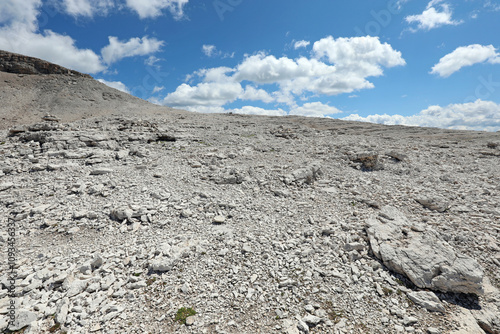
(31, 88)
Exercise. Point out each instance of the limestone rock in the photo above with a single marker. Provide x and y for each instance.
(433, 204)
(425, 259)
(304, 175)
(62, 311)
(427, 299)
(23, 318)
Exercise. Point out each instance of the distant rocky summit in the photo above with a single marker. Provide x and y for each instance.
(20, 64)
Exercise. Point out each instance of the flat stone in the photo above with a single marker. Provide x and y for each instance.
(77, 287)
(219, 220)
(137, 285)
(433, 204)
(424, 258)
(408, 321)
(312, 320)
(162, 265)
(190, 321)
(23, 318)
(427, 299)
(101, 171)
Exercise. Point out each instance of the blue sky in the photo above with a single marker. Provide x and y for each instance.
(426, 63)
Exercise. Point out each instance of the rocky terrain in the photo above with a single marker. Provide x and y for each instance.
(31, 88)
(191, 223)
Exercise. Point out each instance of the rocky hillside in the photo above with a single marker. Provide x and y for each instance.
(20, 64)
(31, 88)
(189, 223)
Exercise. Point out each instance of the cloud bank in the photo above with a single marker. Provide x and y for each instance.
(479, 115)
(336, 66)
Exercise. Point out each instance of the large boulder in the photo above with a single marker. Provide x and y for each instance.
(420, 254)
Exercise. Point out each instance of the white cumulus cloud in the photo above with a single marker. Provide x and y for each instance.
(20, 33)
(479, 116)
(87, 7)
(117, 50)
(209, 50)
(157, 89)
(255, 94)
(203, 94)
(116, 85)
(301, 44)
(50, 46)
(154, 8)
(20, 13)
(251, 110)
(366, 52)
(315, 109)
(433, 18)
(465, 56)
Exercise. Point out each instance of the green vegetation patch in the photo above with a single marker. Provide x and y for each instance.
(183, 313)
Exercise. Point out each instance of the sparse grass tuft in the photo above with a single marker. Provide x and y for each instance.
(183, 313)
(335, 315)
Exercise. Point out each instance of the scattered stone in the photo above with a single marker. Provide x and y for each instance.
(427, 299)
(23, 318)
(369, 161)
(62, 311)
(96, 262)
(354, 246)
(219, 219)
(312, 320)
(51, 118)
(433, 204)
(397, 156)
(304, 175)
(186, 213)
(101, 171)
(120, 214)
(408, 321)
(190, 321)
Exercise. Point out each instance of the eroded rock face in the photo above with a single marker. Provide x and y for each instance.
(16, 63)
(423, 257)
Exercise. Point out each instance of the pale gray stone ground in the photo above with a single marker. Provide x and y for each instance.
(257, 223)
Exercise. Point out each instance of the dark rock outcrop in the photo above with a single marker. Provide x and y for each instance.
(20, 64)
